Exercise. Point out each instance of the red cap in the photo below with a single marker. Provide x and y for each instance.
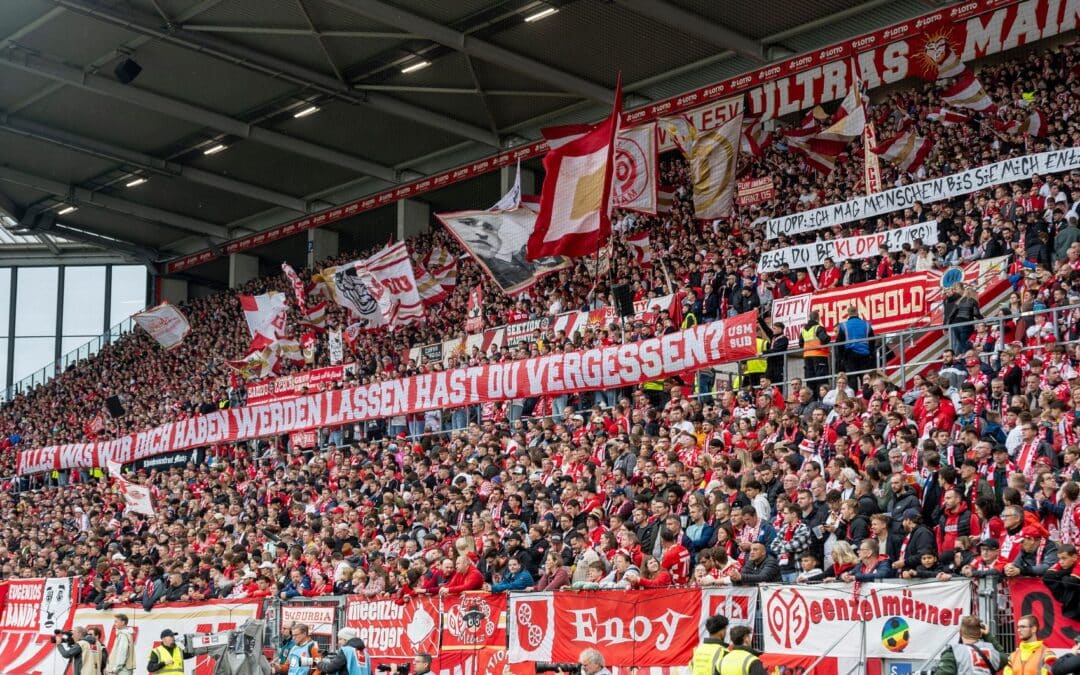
(1031, 532)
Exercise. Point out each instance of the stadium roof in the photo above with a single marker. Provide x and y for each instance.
(210, 141)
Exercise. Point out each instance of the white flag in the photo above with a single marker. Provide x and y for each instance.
(265, 314)
(512, 199)
(337, 347)
(136, 497)
(165, 323)
(379, 291)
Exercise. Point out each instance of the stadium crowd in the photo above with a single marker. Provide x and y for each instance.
(970, 470)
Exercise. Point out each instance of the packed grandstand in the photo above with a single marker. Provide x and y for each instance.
(968, 467)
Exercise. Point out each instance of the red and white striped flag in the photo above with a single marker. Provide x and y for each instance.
(665, 199)
(817, 161)
(755, 139)
(315, 317)
(1033, 125)
(848, 123)
(947, 117)
(967, 92)
(906, 150)
(431, 291)
(265, 315)
(638, 244)
(297, 285)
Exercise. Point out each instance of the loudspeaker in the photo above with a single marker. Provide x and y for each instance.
(126, 71)
(116, 409)
(623, 302)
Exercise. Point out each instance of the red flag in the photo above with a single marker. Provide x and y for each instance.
(574, 219)
(946, 116)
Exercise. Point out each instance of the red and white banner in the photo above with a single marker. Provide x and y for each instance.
(474, 315)
(890, 304)
(850, 248)
(927, 192)
(1031, 596)
(395, 630)
(291, 386)
(32, 607)
(754, 191)
(918, 47)
(633, 186)
(876, 620)
(513, 334)
(297, 284)
(165, 323)
(611, 367)
(183, 618)
(645, 628)
(871, 164)
(304, 439)
(319, 618)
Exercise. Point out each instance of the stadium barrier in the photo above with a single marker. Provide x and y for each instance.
(830, 628)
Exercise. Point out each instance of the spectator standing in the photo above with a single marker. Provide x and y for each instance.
(856, 353)
(813, 338)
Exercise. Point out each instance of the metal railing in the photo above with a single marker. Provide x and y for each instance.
(80, 353)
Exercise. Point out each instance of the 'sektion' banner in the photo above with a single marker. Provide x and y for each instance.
(645, 628)
(849, 248)
(895, 621)
(611, 367)
(927, 192)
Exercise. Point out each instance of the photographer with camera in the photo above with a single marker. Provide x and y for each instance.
(350, 658)
(168, 657)
(302, 655)
(81, 648)
(591, 662)
(421, 664)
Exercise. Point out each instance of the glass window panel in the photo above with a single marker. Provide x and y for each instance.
(128, 292)
(32, 354)
(5, 303)
(35, 302)
(68, 347)
(84, 300)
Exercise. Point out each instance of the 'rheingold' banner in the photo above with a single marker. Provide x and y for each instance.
(601, 368)
(848, 248)
(927, 192)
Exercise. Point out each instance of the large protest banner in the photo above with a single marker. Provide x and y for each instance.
(894, 620)
(927, 192)
(646, 628)
(1031, 596)
(850, 248)
(599, 368)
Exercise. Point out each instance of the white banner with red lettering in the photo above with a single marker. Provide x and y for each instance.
(513, 334)
(18, 656)
(643, 628)
(927, 192)
(291, 386)
(165, 323)
(880, 620)
(318, 617)
(849, 248)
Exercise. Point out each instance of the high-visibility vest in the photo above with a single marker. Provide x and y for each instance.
(856, 329)
(706, 658)
(353, 664)
(758, 365)
(737, 662)
(1032, 665)
(177, 656)
(812, 346)
(296, 653)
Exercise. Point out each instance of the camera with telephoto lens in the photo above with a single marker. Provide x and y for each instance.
(62, 636)
(546, 667)
(400, 669)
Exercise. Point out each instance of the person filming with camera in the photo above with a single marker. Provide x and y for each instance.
(350, 659)
(81, 648)
(591, 662)
(421, 664)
